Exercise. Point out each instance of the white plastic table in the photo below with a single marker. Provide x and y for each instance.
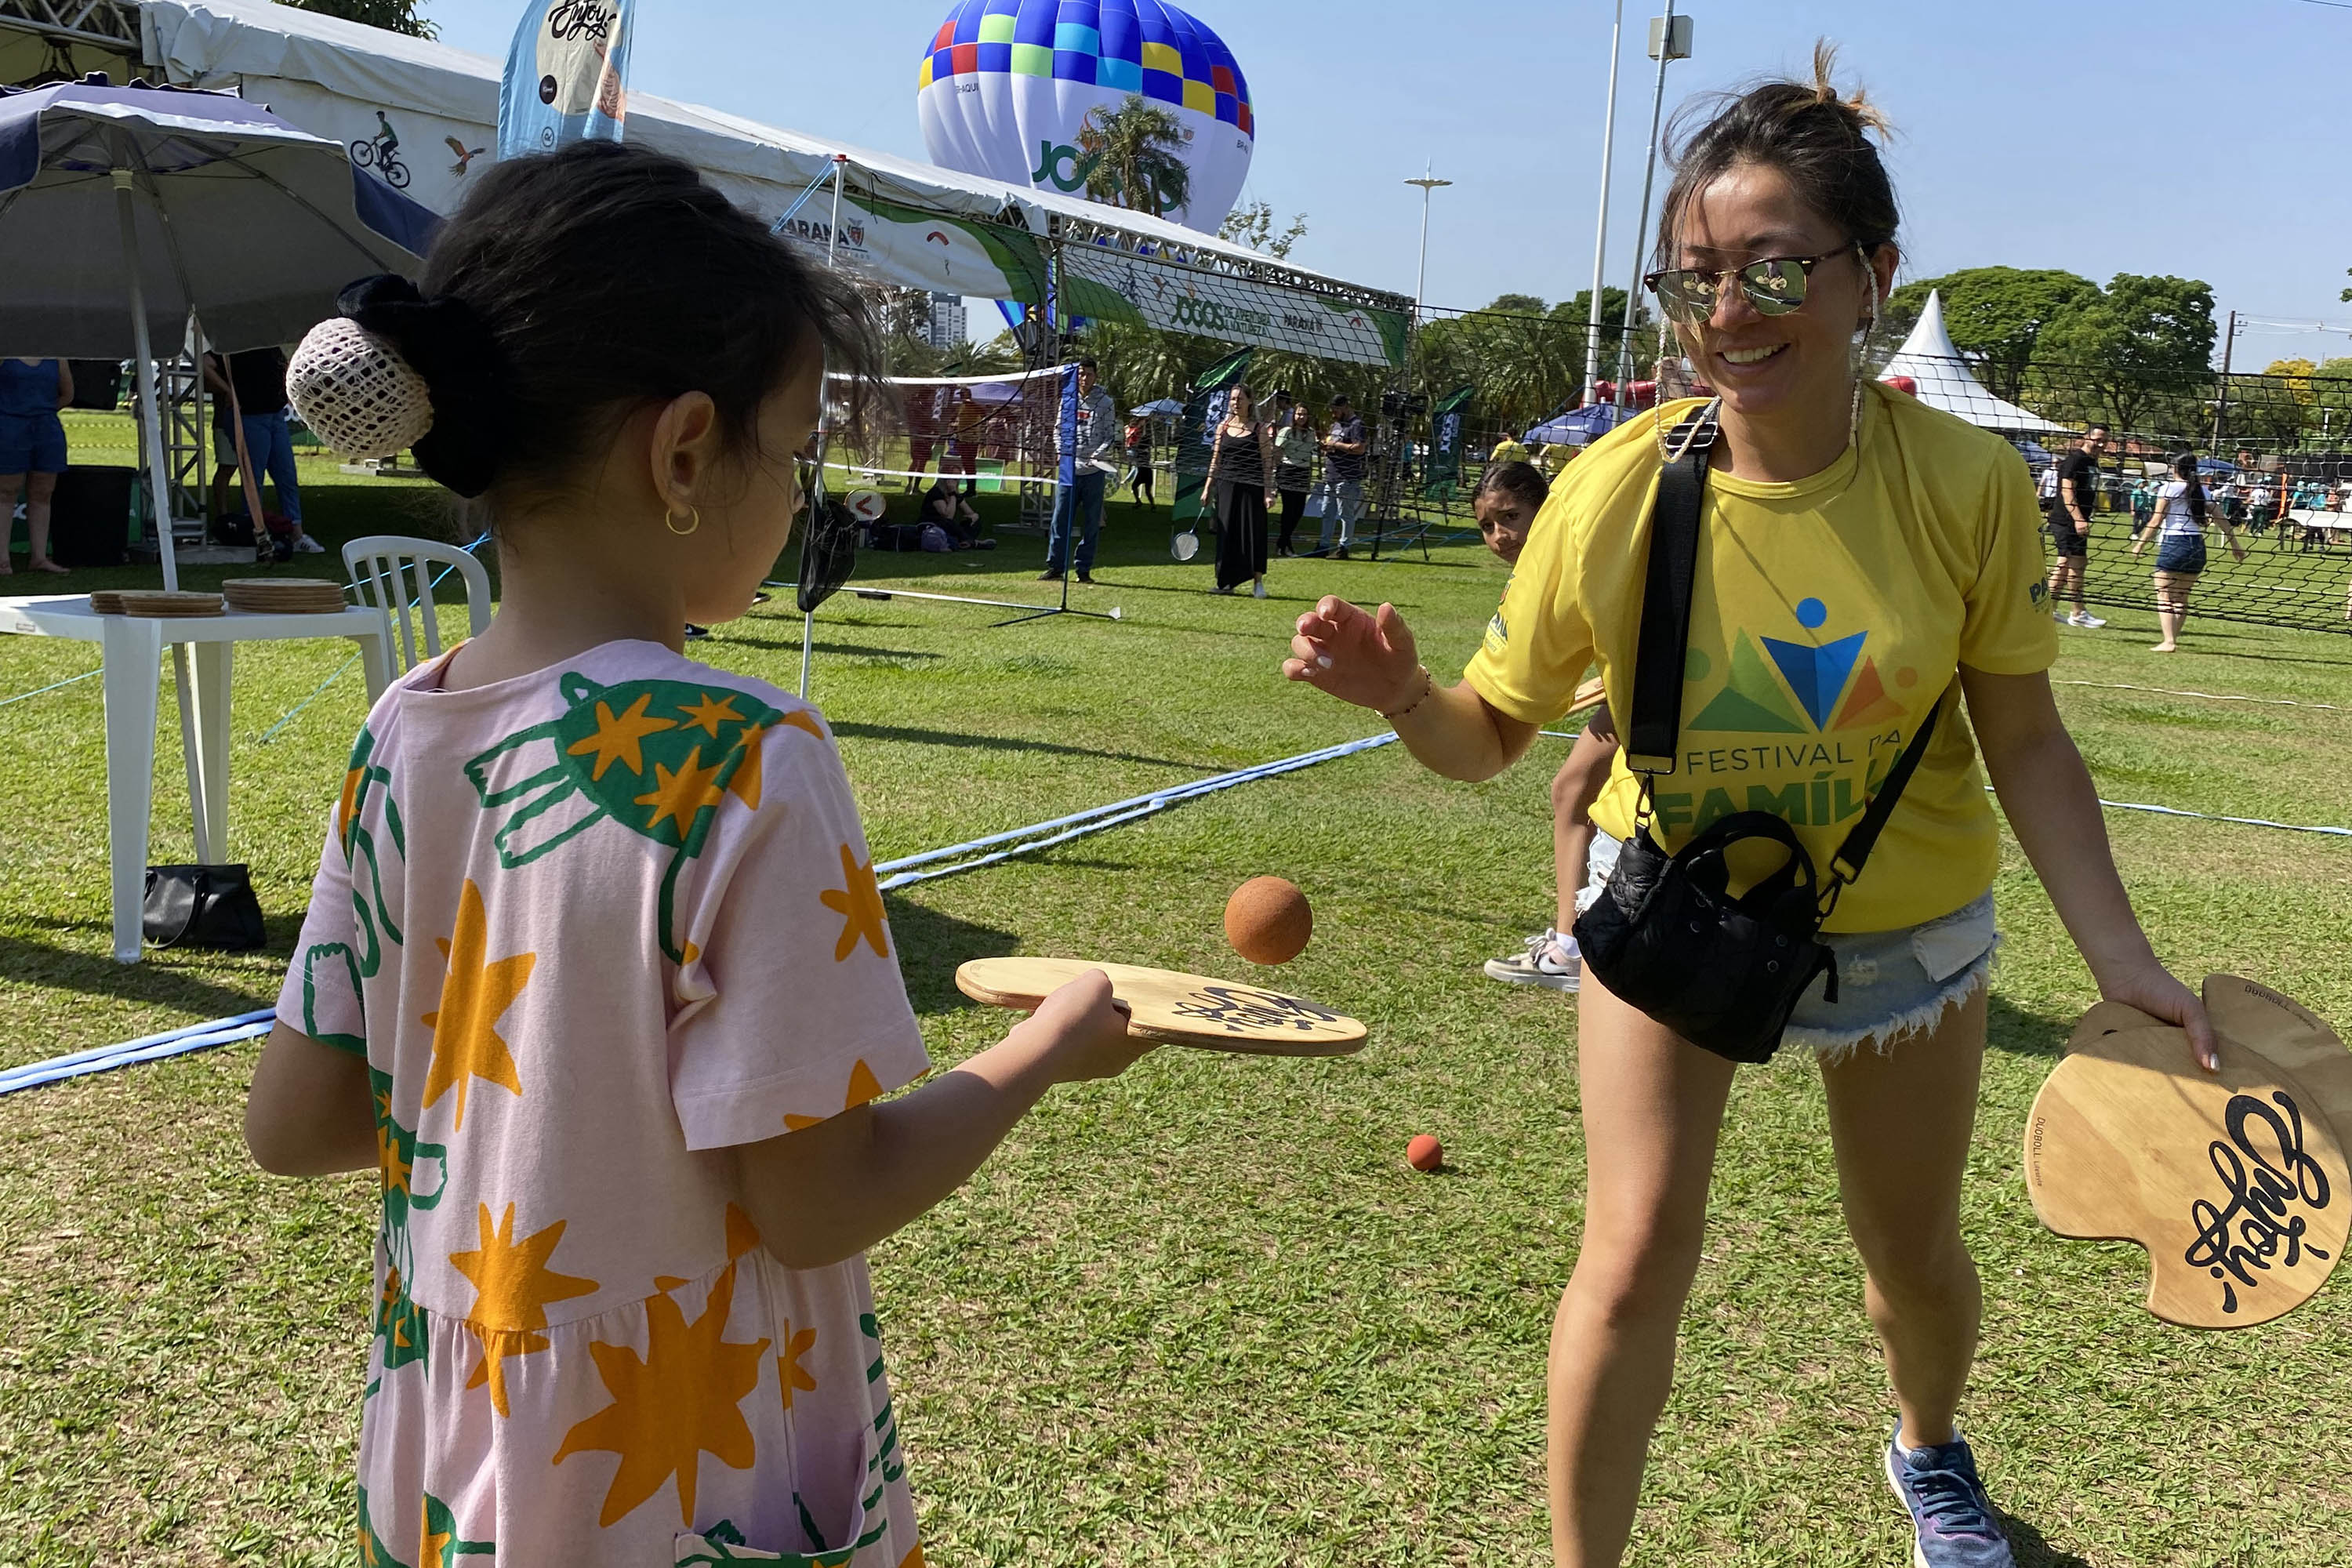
(132, 648)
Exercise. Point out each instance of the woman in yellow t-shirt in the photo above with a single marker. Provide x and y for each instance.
(1862, 558)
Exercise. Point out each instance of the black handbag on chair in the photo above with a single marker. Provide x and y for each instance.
(203, 906)
(1667, 934)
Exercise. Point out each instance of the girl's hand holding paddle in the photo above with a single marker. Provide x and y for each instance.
(1081, 1029)
(1368, 658)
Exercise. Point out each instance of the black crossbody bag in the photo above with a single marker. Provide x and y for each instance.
(1665, 933)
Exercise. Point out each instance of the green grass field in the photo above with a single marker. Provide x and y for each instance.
(1203, 1314)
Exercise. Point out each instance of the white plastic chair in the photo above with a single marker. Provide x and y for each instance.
(376, 564)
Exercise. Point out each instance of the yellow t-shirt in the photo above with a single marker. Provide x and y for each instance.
(1827, 617)
(1506, 450)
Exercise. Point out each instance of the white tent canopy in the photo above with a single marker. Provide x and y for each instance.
(901, 221)
(1944, 381)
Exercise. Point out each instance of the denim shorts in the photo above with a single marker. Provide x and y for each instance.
(32, 443)
(2180, 553)
(1891, 984)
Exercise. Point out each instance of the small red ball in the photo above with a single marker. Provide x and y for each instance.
(1425, 1153)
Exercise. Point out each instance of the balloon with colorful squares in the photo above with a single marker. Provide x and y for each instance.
(1006, 86)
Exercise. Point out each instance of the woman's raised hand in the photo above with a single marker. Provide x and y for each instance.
(1359, 656)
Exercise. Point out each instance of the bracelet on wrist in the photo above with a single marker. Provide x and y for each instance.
(1428, 685)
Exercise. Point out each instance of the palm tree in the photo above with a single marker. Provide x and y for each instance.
(1134, 157)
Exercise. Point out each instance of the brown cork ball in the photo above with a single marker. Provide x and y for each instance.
(1267, 920)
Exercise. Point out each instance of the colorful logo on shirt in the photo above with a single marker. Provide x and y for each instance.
(1779, 687)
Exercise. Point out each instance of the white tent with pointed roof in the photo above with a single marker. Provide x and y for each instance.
(1940, 378)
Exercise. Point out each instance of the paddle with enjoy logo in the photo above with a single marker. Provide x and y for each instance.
(2234, 1181)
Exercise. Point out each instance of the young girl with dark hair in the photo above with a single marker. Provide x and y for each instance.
(1509, 496)
(2179, 525)
(596, 973)
(1863, 561)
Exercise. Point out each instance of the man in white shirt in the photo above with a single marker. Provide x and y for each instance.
(1094, 459)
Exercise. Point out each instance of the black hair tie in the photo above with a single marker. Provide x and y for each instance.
(464, 373)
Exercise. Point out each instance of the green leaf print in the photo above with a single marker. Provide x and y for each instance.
(655, 756)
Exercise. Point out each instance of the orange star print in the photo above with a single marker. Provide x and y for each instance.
(859, 903)
(475, 995)
(679, 796)
(512, 1285)
(789, 1373)
(617, 739)
(676, 1404)
(707, 715)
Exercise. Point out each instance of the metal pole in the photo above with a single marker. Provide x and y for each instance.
(160, 482)
(1649, 177)
(1600, 223)
(808, 641)
(2221, 400)
(159, 479)
(832, 227)
(1421, 278)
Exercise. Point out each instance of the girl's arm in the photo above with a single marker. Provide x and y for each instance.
(1215, 447)
(2054, 812)
(310, 1112)
(830, 1191)
(1370, 659)
(65, 383)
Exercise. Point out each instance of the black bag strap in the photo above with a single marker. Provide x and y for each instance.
(1654, 727)
(1846, 864)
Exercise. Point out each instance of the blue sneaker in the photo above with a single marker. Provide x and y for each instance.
(1953, 1520)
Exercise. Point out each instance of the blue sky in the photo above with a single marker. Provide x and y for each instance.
(2101, 136)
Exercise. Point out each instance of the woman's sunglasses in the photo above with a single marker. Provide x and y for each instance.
(1774, 286)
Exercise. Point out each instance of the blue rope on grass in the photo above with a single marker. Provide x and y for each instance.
(53, 686)
(224, 1031)
(151, 1047)
(315, 692)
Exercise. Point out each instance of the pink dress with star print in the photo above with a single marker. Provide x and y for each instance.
(590, 928)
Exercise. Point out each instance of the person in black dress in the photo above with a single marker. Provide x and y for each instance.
(1240, 486)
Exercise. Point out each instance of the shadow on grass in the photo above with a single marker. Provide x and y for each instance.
(2033, 1551)
(837, 649)
(2009, 1028)
(154, 979)
(930, 945)
(1003, 744)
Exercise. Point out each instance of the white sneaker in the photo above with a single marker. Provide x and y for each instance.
(309, 546)
(1259, 592)
(2085, 618)
(1551, 960)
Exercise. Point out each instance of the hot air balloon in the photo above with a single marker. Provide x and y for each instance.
(1007, 84)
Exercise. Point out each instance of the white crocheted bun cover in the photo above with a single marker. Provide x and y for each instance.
(355, 392)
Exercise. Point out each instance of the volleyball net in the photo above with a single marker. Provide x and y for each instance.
(982, 433)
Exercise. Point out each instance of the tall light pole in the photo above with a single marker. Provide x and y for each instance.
(1600, 223)
(1667, 42)
(1421, 278)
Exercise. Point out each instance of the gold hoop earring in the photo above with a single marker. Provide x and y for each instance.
(669, 521)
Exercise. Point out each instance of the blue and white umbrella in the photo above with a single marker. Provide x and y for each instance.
(123, 210)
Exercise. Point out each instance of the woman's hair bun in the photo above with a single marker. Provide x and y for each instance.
(440, 346)
(356, 393)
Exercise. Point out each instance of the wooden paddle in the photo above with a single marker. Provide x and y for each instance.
(1174, 1008)
(2234, 1183)
(2286, 1033)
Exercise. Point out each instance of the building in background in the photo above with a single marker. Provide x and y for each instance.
(948, 323)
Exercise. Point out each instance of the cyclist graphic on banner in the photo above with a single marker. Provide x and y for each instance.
(566, 76)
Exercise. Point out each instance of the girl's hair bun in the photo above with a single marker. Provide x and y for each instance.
(356, 393)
